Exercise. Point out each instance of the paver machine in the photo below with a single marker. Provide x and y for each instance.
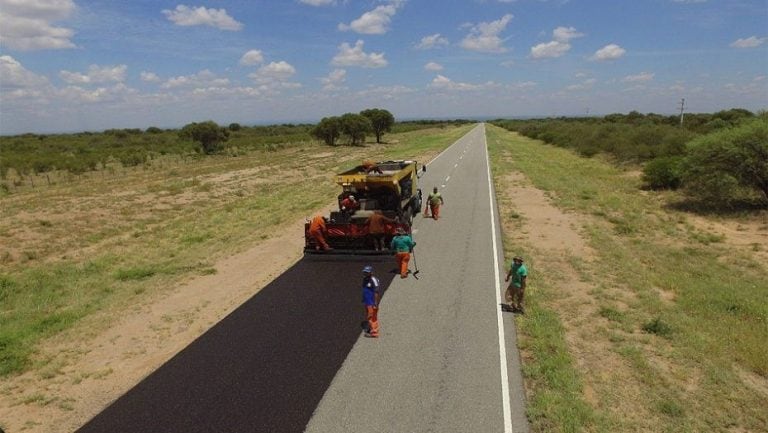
(390, 187)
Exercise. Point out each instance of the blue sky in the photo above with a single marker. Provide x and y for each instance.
(77, 65)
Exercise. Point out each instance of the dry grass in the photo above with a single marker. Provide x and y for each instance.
(659, 325)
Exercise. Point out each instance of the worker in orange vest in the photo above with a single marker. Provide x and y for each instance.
(377, 229)
(318, 231)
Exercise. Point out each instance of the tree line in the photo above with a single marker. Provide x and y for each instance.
(29, 155)
(354, 127)
(718, 159)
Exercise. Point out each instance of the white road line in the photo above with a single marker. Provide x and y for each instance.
(505, 400)
(455, 165)
(447, 179)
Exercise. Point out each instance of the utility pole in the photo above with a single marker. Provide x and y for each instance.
(682, 109)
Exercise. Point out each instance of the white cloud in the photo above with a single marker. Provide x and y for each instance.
(15, 76)
(149, 77)
(118, 92)
(204, 78)
(444, 83)
(432, 66)
(27, 25)
(549, 49)
(431, 41)
(252, 57)
(275, 71)
(560, 44)
(274, 77)
(317, 2)
(201, 16)
(484, 37)
(565, 34)
(334, 80)
(96, 74)
(507, 63)
(609, 52)
(639, 78)
(355, 56)
(375, 22)
(750, 42)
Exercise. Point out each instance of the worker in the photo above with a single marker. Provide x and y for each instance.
(349, 205)
(377, 229)
(434, 201)
(516, 290)
(370, 167)
(402, 246)
(371, 298)
(318, 231)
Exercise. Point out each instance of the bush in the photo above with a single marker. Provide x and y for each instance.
(730, 164)
(657, 327)
(663, 173)
(209, 134)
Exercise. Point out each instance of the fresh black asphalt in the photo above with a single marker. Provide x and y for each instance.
(264, 367)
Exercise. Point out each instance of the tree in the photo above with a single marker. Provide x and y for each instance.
(209, 134)
(328, 130)
(381, 121)
(720, 165)
(355, 126)
(234, 127)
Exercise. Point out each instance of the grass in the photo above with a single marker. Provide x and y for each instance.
(557, 404)
(96, 248)
(716, 325)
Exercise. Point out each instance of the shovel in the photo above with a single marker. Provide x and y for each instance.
(416, 272)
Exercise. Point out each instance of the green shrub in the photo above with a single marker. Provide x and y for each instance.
(663, 172)
(657, 327)
(730, 164)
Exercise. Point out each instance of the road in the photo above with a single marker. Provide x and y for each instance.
(447, 359)
(292, 358)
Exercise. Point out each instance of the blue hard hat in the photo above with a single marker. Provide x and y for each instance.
(368, 269)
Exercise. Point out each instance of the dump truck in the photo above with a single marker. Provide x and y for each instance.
(387, 186)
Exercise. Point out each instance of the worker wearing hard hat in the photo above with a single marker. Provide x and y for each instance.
(349, 205)
(402, 246)
(371, 299)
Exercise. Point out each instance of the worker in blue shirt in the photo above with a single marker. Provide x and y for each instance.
(371, 298)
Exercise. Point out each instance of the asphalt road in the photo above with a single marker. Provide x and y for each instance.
(293, 359)
(447, 359)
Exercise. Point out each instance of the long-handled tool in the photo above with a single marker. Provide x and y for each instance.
(416, 272)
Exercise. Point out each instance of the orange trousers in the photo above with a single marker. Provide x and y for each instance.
(435, 208)
(318, 235)
(372, 316)
(402, 262)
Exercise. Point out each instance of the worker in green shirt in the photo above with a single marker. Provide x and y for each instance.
(434, 200)
(516, 290)
(402, 246)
